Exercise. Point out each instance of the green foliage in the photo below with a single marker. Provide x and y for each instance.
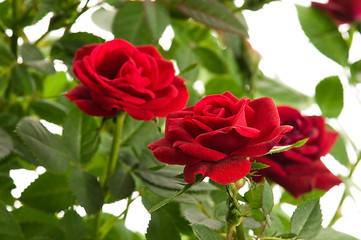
(9, 229)
(329, 96)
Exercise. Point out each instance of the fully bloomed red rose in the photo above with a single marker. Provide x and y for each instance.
(300, 170)
(117, 76)
(343, 11)
(215, 137)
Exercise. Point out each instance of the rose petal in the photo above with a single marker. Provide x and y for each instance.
(198, 151)
(223, 172)
(164, 152)
(266, 116)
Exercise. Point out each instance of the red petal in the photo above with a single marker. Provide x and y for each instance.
(223, 172)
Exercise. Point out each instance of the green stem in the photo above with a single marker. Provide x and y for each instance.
(119, 120)
(240, 232)
(14, 37)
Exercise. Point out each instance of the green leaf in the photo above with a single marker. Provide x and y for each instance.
(339, 152)
(278, 149)
(210, 60)
(49, 110)
(214, 14)
(254, 196)
(204, 233)
(220, 84)
(121, 184)
(288, 198)
(103, 18)
(331, 234)
(6, 185)
(119, 230)
(187, 63)
(28, 214)
(7, 57)
(195, 216)
(355, 70)
(156, 17)
(80, 135)
(168, 200)
(280, 93)
(6, 144)
(257, 166)
(329, 96)
(54, 84)
(42, 231)
(46, 147)
(32, 57)
(24, 82)
(50, 192)
(323, 33)
(9, 229)
(306, 219)
(87, 190)
(130, 24)
(267, 198)
(73, 225)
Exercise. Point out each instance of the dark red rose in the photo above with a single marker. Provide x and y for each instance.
(343, 11)
(117, 76)
(300, 170)
(215, 137)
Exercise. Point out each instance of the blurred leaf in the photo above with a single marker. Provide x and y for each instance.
(267, 198)
(339, 152)
(186, 61)
(130, 24)
(46, 147)
(6, 144)
(32, 57)
(280, 93)
(4, 83)
(166, 223)
(213, 14)
(24, 82)
(120, 232)
(121, 184)
(306, 219)
(331, 234)
(7, 57)
(65, 48)
(87, 190)
(103, 18)
(196, 217)
(73, 225)
(156, 17)
(42, 231)
(257, 165)
(49, 192)
(204, 233)
(139, 134)
(80, 135)
(54, 84)
(220, 84)
(323, 33)
(9, 229)
(255, 5)
(6, 185)
(254, 196)
(329, 96)
(29, 214)
(257, 214)
(288, 198)
(355, 69)
(210, 60)
(49, 110)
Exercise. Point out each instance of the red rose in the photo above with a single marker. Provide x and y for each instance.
(300, 170)
(117, 76)
(343, 11)
(215, 136)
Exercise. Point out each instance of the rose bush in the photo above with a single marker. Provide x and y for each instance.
(300, 170)
(215, 137)
(117, 76)
(342, 11)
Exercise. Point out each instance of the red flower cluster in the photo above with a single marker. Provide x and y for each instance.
(300, 170)
(117, 76)
(343, 11)
(215, 137)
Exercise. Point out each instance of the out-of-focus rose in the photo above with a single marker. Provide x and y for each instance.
(117, 76)
(215, 137)
(300, 170)
(343, 11)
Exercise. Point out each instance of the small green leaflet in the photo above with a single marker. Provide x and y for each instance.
(278, 149)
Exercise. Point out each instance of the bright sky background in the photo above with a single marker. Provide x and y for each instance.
(288, 55)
